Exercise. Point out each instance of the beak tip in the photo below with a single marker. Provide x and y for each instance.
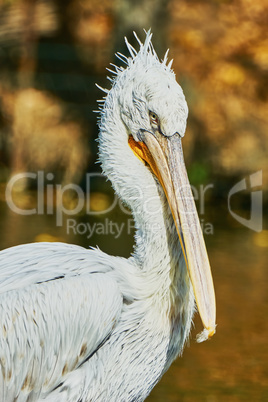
(206, 334)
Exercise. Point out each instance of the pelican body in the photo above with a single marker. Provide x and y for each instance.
(78, 325)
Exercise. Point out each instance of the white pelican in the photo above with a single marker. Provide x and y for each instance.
(79, 325)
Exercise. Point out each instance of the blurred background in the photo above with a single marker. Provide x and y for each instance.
(51, 55)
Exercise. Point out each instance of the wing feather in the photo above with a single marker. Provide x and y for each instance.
(49, 328)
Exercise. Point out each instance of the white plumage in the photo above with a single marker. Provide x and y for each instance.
(80, 325)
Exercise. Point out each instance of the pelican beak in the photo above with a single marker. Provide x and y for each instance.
(165, 157)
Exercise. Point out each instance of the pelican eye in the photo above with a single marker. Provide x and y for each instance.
(154, 118)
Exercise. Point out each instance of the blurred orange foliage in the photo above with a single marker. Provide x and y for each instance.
(220, 52)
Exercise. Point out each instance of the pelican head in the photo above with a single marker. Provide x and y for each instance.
(142, 122)
(157, 102)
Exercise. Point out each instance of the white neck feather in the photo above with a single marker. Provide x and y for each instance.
(157, 249)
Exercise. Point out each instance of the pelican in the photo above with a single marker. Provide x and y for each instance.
(78, 325)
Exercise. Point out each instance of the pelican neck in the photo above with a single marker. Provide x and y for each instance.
(157, 247)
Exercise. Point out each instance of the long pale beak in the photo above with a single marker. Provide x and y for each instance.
(165, 157)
